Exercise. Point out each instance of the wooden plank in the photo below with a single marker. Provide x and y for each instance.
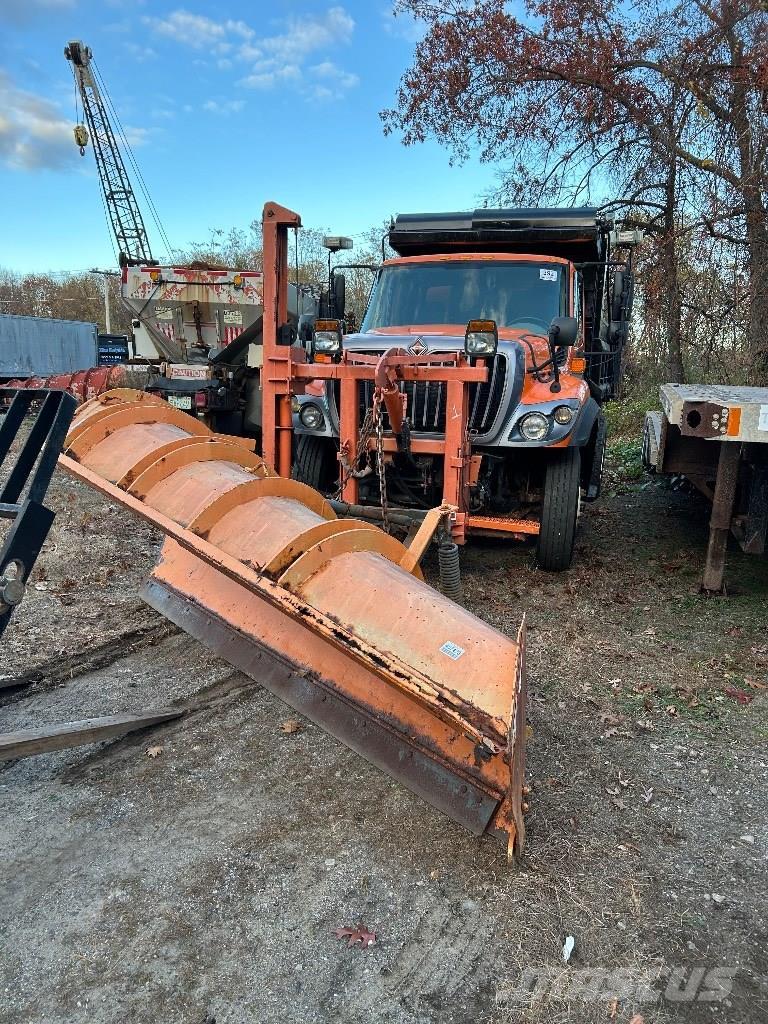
(27, 742)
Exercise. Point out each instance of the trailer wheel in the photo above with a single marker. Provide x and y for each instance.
(559, 510)
(316, 463)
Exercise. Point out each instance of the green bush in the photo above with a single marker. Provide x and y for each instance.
(625, 416)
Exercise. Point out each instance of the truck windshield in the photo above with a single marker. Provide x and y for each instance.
(514, 294)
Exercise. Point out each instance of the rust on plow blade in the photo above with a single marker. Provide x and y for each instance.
(322, 611)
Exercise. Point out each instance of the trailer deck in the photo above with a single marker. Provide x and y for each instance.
(732, 474)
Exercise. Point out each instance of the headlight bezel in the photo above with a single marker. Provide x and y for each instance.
(310, 409)
(531, 417)
(481, 339)
(327, 338)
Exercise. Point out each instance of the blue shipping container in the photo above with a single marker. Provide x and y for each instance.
(36, 346)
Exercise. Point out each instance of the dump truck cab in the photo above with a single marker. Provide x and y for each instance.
(536, 296)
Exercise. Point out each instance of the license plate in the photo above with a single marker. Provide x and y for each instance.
(180, 401)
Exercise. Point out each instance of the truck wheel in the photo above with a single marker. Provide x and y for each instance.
(598, 461)
(559, 510)
(316, 463)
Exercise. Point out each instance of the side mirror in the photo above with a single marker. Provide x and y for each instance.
(563, 331)
(339, 295)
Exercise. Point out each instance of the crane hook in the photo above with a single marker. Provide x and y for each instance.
(81, 137)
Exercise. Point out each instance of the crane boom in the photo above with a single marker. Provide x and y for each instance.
(124, 212)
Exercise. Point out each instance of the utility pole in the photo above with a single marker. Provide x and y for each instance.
(106, 274)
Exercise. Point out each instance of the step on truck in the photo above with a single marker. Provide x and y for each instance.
(540, 300)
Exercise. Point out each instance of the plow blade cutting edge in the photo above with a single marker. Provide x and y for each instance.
(324, 612)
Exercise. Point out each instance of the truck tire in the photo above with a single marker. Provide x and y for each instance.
(315, 463)
(559, 510)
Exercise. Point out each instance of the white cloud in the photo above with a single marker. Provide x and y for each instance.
(271, 76)
(197, 31)
(273, 60)
(19, 12)
(331, 73)
(224, 108)
(307, 35)
(140, 54)
(33, 133)
(403, 25)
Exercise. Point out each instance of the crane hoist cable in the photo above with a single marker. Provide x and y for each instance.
(134, 163)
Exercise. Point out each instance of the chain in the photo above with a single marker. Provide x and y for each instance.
(366, 433)
(380, 459)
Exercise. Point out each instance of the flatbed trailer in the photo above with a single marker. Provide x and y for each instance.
(717, 437)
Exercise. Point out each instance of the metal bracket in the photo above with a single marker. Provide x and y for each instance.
(31, 473)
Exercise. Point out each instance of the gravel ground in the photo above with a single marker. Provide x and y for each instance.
(204, 882)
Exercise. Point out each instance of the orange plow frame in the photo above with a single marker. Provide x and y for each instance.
(331, 615)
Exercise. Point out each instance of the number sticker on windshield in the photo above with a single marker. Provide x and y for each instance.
(548, 275)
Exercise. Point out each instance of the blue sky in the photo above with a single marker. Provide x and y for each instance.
(225, 108)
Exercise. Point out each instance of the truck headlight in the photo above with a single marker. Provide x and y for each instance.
(534, 426)
(327, 339)
(311, 416)
(563, 414)
(481, 338)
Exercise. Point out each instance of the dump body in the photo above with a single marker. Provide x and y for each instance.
(36, 346)
(330, 614)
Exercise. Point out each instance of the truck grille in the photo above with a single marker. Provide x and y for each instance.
(426, 401)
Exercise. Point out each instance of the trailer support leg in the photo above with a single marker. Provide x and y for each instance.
(722, 511)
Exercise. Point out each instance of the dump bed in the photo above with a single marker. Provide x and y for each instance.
(574, 234)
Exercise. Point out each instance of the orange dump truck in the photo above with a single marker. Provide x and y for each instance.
(530, 309)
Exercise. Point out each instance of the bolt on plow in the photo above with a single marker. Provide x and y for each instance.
(332, 615)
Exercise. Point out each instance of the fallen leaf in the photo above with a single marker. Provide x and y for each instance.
(753, 684)
(613, 1009)
(637, 1018)
(291, 725)
(356, 936)
(568, 945)
(648, 795)
(618, 804)
(671, 710)
(154, 751)
(608, 719)
(738, 695)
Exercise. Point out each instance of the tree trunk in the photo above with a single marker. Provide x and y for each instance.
(675, 371)
(752, 176)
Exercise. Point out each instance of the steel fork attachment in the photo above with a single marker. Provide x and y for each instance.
(331, 615)
(26, 466)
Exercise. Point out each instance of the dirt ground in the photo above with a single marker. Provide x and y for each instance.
(204, 883)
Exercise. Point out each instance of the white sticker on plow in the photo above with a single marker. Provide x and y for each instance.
(762, 422)
(547, 275)
(452, 650)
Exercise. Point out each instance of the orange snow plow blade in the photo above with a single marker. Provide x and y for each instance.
(320, 610)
